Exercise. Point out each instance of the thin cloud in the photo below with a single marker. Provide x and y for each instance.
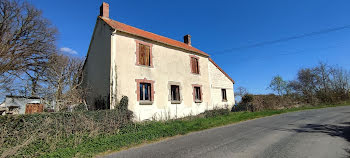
(68, 50)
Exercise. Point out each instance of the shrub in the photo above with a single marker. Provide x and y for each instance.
(240, 107)
(123, 107)
(80, 107)
(266, 102)
(30, 135)
(215, 112)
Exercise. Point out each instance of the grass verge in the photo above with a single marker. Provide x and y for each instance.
(139, 133)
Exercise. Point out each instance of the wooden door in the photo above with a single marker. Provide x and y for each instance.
(34, 108)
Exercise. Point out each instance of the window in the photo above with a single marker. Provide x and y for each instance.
(144, 55)
(145, 92)
(194, 65)
(197, 94)
(175, 93)
(223, 92)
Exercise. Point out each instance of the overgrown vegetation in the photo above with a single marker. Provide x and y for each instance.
(30, 63)
(322, 84)
(37, 134)
(85, 134)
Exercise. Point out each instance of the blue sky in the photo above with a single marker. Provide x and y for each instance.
(216, 26)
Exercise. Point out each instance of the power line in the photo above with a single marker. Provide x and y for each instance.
(283, 39)
(290, 53)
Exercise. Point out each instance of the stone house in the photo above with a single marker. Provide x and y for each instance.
(163, 78)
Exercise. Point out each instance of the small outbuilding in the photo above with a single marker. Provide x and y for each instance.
(21, 105)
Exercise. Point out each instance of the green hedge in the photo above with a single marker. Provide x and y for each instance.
(35, 134)
(85, 134)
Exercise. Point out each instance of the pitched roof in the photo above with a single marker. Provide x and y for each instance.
(145, 34)
(211, 60)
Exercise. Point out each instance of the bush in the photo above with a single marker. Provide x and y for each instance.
(245, 104)
(80, 107)
(123, 107)
(30, 135)
(216, 112)
(241, 107)
(265, 102)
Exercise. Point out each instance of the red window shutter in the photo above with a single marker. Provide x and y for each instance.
(192, 65)
(196, 66)
(147, 55)
(142, 54)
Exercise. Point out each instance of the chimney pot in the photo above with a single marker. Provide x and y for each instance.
(104, 10)
(187, 39)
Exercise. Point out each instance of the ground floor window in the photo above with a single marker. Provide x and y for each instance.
(145, 91)
(175, 93)
(223, 92)
(197, 93)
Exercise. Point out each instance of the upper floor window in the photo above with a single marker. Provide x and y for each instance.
(143, 53)
(194, 65)
(223, 92)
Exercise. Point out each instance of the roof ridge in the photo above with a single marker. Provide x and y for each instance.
(158, 38)
(143, 30)
(149, 35)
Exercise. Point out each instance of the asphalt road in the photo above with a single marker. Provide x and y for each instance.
(312, 133)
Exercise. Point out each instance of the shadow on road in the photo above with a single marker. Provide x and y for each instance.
(341, 130)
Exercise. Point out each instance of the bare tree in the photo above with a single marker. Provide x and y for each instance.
(26, 41)
(323, 83)
(64, 77)
(241, 91)
(322, 72)
(340, 82)
(305, 84)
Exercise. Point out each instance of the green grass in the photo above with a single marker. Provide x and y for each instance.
(140, 133)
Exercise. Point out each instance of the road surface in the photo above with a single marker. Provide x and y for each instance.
(311, 133)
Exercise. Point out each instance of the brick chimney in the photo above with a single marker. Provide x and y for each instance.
(104, 10)
(187, 39)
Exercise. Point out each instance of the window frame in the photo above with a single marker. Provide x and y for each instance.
(171, 83)
(138, 91)
(191, 64)
(138, 43)
(224, 97)
(194, 87)
(177, 93)
(147, 90)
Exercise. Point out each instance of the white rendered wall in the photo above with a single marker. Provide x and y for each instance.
(169, 65)
(219, 81)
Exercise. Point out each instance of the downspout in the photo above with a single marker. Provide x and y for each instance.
(113, 72)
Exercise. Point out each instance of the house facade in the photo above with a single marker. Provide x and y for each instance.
(163, 78)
